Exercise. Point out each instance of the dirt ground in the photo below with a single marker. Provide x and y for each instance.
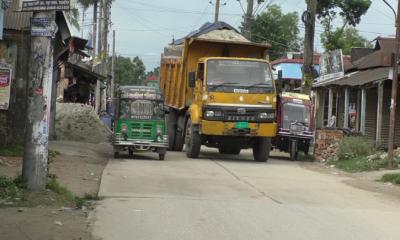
(78, 167)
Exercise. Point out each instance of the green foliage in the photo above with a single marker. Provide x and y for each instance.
(355, 147)
(55, 187)
(344, 39)
(154, 72)
(12, 151)
(392, 177)
(129, 71)
(11, 190)
(360, 164)
(350, 10)
(277, 28)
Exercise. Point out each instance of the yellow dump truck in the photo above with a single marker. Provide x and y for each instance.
(219, 92)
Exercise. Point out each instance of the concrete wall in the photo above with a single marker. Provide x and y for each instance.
(14, 50)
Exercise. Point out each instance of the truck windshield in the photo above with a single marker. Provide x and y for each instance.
(295, 112)
(141, 109)
(223, 73)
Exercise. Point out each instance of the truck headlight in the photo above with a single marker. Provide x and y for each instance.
(267, 115)
(210, 114)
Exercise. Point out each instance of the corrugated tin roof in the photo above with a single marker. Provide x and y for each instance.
(358, 78)
(16, 20)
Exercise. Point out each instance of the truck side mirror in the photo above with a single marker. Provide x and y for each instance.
(192, 79)
(280, 75)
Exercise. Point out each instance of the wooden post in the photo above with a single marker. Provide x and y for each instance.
(379, 115)
(320, 108)
(308, 18)
(217, 6)
(346, 107)
(113, 69)
(393, 105)
(34, 170)
(330, 104)
(363, 109)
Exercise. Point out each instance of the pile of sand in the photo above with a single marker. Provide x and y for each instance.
(78, 122)
(224, 35)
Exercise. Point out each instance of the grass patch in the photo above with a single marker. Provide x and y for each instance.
(12, 151)
(391, 177)
(11, 190)
(305, 158)
(356, 154)
(79, 202)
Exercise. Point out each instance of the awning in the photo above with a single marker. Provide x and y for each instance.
(358, 78)
(79, 70)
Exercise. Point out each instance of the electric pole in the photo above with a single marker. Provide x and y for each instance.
(94, 37)
(99, 56)
(35, 162)
(217, 7)
(308, 19)
(248, 18)
(393, 105)
(113, 69)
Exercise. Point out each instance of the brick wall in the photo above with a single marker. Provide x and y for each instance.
(326, 143)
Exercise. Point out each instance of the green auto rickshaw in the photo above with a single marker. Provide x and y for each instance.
(139, 121)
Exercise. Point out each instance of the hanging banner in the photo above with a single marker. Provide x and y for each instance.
(45, 5)
(331, 66)
(5, 88)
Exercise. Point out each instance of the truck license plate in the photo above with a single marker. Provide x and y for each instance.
(242, 125)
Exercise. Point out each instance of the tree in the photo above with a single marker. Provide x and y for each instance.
(154, 72)
(344, 39)
(351, 12)
(281, 30)
(129, 71)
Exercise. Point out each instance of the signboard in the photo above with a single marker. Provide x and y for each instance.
(331, 66)
(41, 27)
(5, 88)
(45, 5)
(141, 93)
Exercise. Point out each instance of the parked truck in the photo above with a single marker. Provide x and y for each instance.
(219, 92)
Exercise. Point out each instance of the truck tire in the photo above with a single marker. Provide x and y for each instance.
(261, 149)
(293, 151)
(229, 150)
(171, 126)
(192, 140)
(180, 134)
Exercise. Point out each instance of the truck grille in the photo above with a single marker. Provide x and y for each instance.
(141, 130)
(236, 117)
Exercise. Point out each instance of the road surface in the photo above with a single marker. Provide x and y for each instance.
(231, 198)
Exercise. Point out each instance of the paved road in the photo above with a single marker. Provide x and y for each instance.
(217, 198)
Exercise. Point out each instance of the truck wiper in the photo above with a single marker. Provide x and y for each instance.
(221, 84)
(259, 84)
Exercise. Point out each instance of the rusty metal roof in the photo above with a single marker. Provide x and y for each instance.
(16, 20)
(358, 78)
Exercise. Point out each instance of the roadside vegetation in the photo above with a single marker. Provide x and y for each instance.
(12, 151)
(13, 193)
(356, 154)
(391, 178)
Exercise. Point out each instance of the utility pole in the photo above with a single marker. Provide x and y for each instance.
(99, 56)
(217, 7)
(105, 54)
(393, 105)
(248, 19)
(308, 19)
(94, 37)
(113, 69)
(35, 162)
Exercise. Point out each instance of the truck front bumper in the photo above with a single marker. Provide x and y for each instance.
(218, 128)
(138, 143)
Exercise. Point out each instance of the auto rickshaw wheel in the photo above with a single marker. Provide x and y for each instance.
(261, 149)
(293, 151)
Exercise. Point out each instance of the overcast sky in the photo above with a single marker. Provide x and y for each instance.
(145, 27)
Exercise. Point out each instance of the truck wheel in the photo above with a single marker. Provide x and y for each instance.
(116, 154)
(261, 149)
(192, 140)
(171, 126)
(180, 134)
(161, 156)
(225, 150)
